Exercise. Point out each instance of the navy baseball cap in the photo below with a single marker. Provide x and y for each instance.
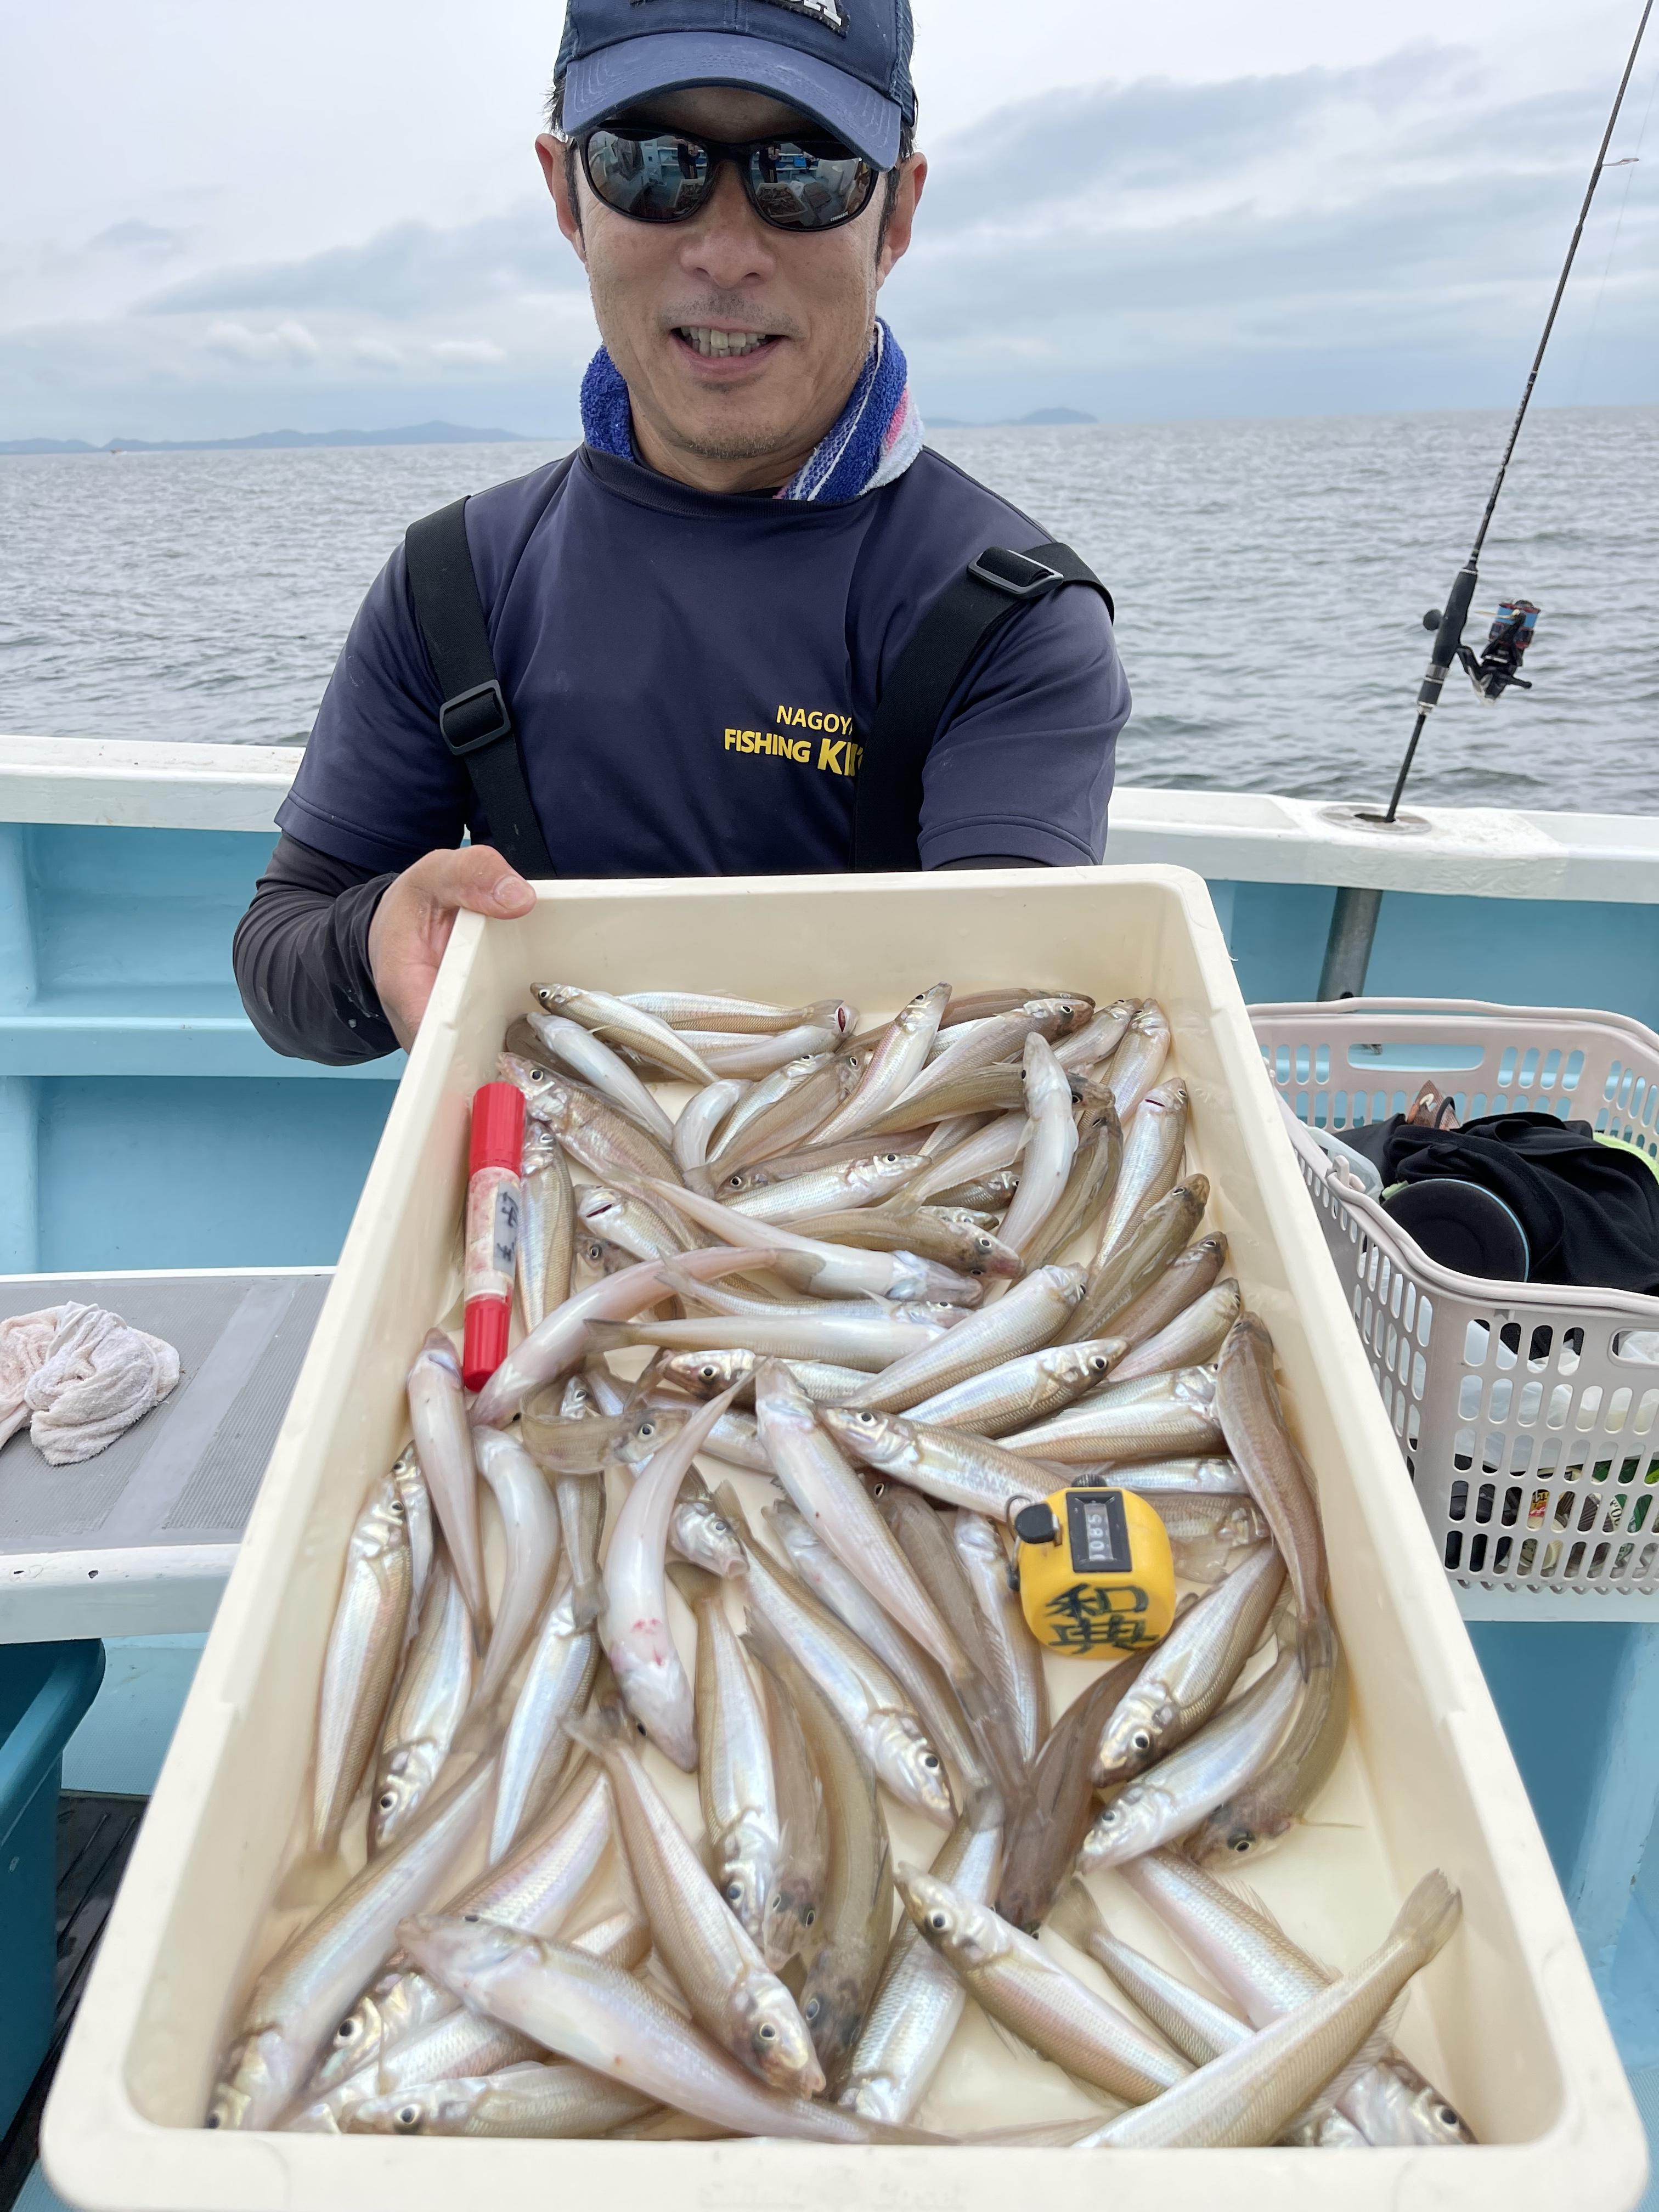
(845, 62)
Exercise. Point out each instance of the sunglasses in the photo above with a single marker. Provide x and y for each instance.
(666, 176)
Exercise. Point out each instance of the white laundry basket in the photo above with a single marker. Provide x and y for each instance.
(1527, 1414)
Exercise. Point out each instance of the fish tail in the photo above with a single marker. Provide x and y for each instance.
(1075, 1916)
(1429, 1915)
(693, 1584)
(610, 1336)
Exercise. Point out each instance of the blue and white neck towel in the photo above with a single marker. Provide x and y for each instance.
(874, 440)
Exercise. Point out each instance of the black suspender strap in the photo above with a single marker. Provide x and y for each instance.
(474, 720)
(964, 619)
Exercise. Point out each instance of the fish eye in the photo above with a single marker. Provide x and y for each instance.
(1447, 2118)
(473, 1917)
(1100, 1365)
(386, 1800)
(345, 2031)
(720, 1528)
(938, 1920)
(1241, 1845)
(888, 1159)
(647, 1428)
(708, 1373)
(397, 1508)
(767, 2032)
(1141, 1741)
(213, 2119)
(734, 1183)
(777, 1902)
(930, 1761)
(809, 1917)
(640, 1727)
(733, 1892)
(814, 2006)
(878, 1490)
(407, 2115)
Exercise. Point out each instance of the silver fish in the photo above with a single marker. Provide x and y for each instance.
(1016, 1657)
(829, 1271)
(625, 1025)
(823, 1488)
(702, 1536)
(710, 1009)
(920, 1678)
(700, 1120)
(1192, 1338)
(1209, 1535)
(1253, 1962)
(951, 1465)
(784, 1110)
(859, 1182)
(433, 1693)
(1099, 1039)
(530, 1525)
(986, 1153)
(1029, 1315)
(1169, 1801)
(297, 1999)
(615, 2024)
(894, 1064)
(588, 1056)
(704, 1374)
(733, 1994)
(417, 1519)
(1001, 1036)
(563, 1661)
(634, 1625)
(1140, 1259)
(919, 2001)
(1018, 1392)
(866, 1337)
(1187, 1276)
(1088, 1187)
(555, 1347)
(608, 1144)
(1163, 1422)
(1191, 1672)
(552, 2101)
(1050, 1146)
(1253, 1420)
(1016, 1982)
(1154, 1145)
(547, 1227)
(875, 1708)
(624, 1220)
(790, 1918)
(1249, 2094)
(735, 1781)
(365, 1644)
(1271, 1802)
(438, 1411)
(730, 1053)
(1139, 1060)
(856, 1919)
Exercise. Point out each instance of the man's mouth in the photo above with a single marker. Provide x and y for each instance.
(722, 345)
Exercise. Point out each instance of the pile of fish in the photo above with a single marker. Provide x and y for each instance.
(913, 1279)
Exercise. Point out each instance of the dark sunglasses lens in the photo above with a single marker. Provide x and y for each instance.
(662, 179)
(808, 184)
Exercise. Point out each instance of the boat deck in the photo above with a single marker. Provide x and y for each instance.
(95, 1836)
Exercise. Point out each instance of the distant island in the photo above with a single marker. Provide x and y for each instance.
(412, 433)
(1039, 418)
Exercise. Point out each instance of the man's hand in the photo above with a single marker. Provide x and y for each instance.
(412, 923)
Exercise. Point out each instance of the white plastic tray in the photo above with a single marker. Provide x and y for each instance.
(1507, 2019)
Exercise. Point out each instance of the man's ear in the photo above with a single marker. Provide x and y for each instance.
(560, 171)
(896, 241)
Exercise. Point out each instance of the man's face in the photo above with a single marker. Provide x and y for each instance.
(731, 421)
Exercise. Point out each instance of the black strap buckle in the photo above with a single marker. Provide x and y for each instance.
(474, 718)
(1015, 574)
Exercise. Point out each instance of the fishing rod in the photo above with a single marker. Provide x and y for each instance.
(1347, 953)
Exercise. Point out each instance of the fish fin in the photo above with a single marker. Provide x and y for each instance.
(1374, 2051)
(1017, 2045)
(1075, 1915)
(314, 1879)
(1429, 1914)
(695, 1584)
(601, 1729)
(610, 1336)
(731, 1506)
(762, 1641)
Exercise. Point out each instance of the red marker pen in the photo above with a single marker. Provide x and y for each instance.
(493, 1207)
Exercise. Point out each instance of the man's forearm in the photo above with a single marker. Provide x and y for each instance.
(302, 958)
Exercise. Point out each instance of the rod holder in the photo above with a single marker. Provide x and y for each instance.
(1348, 947)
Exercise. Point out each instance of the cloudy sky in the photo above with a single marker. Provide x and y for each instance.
(222, 219)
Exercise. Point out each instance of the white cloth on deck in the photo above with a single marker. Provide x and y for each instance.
(80, 1377)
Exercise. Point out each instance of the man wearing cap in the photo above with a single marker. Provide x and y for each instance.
(752, 625)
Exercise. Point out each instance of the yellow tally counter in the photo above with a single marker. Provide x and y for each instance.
(1097, 1578)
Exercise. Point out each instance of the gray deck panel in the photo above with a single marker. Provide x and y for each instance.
(188, 1472)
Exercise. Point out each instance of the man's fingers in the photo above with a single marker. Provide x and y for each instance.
(477, 880)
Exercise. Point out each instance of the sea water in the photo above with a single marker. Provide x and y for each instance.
(1270, 577)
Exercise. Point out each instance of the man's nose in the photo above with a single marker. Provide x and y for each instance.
(727, 245)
